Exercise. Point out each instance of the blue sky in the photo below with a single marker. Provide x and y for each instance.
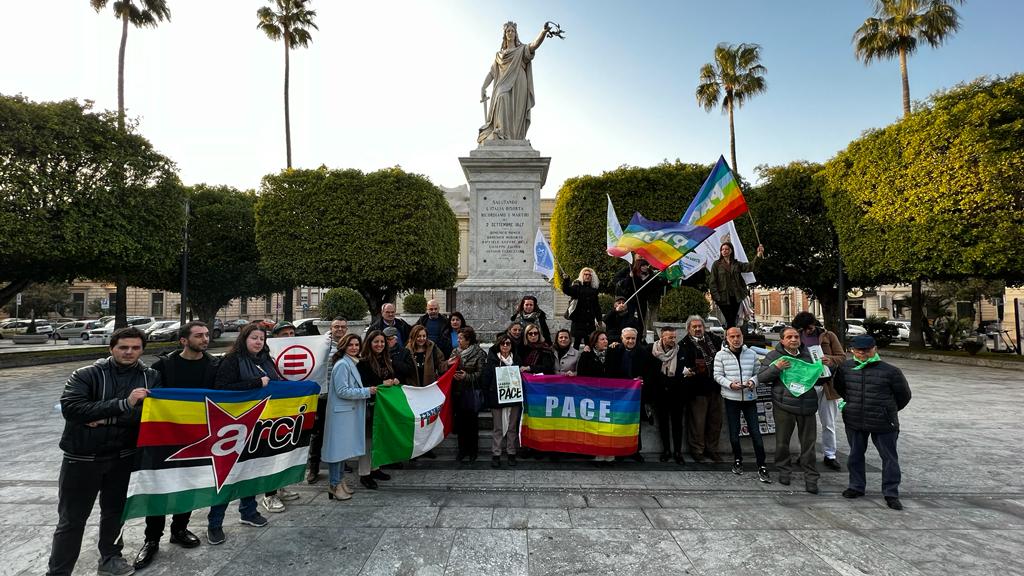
(397, 83)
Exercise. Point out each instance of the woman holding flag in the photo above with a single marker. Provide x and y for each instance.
(726, 284)
(375, 369)
(345, 425)
(586, 314)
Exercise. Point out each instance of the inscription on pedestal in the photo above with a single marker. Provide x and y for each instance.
(503, 230)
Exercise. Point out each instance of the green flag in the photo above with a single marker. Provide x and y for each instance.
(800, 376)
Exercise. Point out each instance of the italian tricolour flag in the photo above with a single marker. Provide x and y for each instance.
(409, 420)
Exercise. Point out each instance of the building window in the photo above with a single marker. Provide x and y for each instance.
(266, 304)
(765, 307)
(785, 307)
(78, 304)
(156, 304)
(243, 306)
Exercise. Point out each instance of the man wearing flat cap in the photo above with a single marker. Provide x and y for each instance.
(874, 391)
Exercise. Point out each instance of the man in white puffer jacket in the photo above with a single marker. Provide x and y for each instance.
(736, 369)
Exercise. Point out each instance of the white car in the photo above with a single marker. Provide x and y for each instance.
(158, 325)
(903, 327)
(855, 327)
(77, 329)
(140, 322)
(20, 326)
(714, 325)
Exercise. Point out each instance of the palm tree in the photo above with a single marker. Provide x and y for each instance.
(895, 31)
(144, 13)
(735, 75)
(898, 26)
(292, 22)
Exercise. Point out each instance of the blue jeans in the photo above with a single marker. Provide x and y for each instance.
(885, 443)
(733, 408)
(335, 472)
(246, 507)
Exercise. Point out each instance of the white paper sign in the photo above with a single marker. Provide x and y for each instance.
(818, 354)
(510, 384)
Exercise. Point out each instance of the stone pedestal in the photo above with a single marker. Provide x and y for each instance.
(505, 178)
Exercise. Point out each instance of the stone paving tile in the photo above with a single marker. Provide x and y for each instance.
(25, 550)
(945, 519)
(410, 552)
(960, 552)
(524, 518)
(713, 500)
(358, 516)
(846, 518)
(29, 495)
(759, 518)
(603, 552)
(485, 499)
(597, 500)
(555, 500)
(853, 554)
(433, 498)
(608, 518)
(774, 552)
(475, 552)
(675, 518)
(310, 551)
(463, 517)
(30, 469)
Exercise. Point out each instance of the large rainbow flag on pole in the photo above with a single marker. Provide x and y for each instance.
(660, 243)
(578, 415)
(718, 201)
(202, 447)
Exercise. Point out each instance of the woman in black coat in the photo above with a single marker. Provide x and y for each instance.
(528, 312)
(586, 313)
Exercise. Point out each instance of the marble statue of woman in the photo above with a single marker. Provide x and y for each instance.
(508, 117)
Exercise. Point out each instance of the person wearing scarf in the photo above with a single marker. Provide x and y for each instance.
(825, 345)
(465, 390)
(704, 421)
(505, 417)
(874, 391)
(528, 312)
(595, 362)
(375, 370)
(792, 412)
(666, 375)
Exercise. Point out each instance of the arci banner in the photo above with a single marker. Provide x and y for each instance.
(409, 420)
(198, 447)
(578, 415)
(301, 357)
(510, 384)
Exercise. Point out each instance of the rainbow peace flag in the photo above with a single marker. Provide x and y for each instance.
(660, 243)
(203, 447)
(578, 415)
(718, 201)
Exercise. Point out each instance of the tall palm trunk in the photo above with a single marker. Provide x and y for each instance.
(289, 293)
(916, 299)
(732, 140)
(121, 282)
(906, 82)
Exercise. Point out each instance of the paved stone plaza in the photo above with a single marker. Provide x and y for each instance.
(963, 488)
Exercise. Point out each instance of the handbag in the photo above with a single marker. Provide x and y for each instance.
(570, 309)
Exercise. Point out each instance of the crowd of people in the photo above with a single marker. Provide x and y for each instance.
(691, 383)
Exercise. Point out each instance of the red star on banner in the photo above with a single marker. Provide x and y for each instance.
(225, 440)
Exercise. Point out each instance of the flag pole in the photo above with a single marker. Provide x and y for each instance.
(645, 285)
(754, 224)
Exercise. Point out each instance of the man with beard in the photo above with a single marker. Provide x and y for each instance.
(704, 425)
(433, 321)
(190, 367)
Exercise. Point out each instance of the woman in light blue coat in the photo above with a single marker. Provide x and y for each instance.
(345, 425)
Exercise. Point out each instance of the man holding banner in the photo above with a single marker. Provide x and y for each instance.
(792, 373)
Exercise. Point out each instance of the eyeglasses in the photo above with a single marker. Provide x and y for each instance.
(506, 343)
(533, 333)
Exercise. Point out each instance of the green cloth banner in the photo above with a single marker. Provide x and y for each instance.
(872, 360)
(800, 376)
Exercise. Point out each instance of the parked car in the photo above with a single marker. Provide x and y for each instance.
(217, 329)
(140, 322)
(235, 325)
(167, 332)
(307, 327)
(855, 327)
(20, 326)
(903, 327)
(159, 325)
(714, 325)
(77, 329)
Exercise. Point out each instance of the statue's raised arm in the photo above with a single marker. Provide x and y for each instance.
(512, 97)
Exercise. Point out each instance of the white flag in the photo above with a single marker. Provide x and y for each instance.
(613, 230)
(709, 251)
(543, 257)
(300, 357)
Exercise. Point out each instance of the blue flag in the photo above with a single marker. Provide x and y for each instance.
(543, 257)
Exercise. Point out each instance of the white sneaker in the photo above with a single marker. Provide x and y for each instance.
(273, 504)
(286, 495)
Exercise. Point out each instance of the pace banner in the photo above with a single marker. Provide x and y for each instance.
(579, 415)
(203, 447)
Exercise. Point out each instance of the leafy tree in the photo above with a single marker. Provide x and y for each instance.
(660, 192)
(735, 75)
(40, 299)
(898, 26)
(683, 302)
(147, 13)
(895, 31)
(800, 242)
(937, 195)
(223, 260)
(81, 198)
(378, 233)
(344, 302)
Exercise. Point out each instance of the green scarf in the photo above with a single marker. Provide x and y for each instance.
(800, 376)
(871, 360)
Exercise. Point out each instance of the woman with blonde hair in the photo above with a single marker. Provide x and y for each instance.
(584, 310)
(427, 357)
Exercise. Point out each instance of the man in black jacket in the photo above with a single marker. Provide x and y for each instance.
(101, 409)
(433, 321)
(190, 367)
(875, 392)
(387, 319)
(704, 422)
